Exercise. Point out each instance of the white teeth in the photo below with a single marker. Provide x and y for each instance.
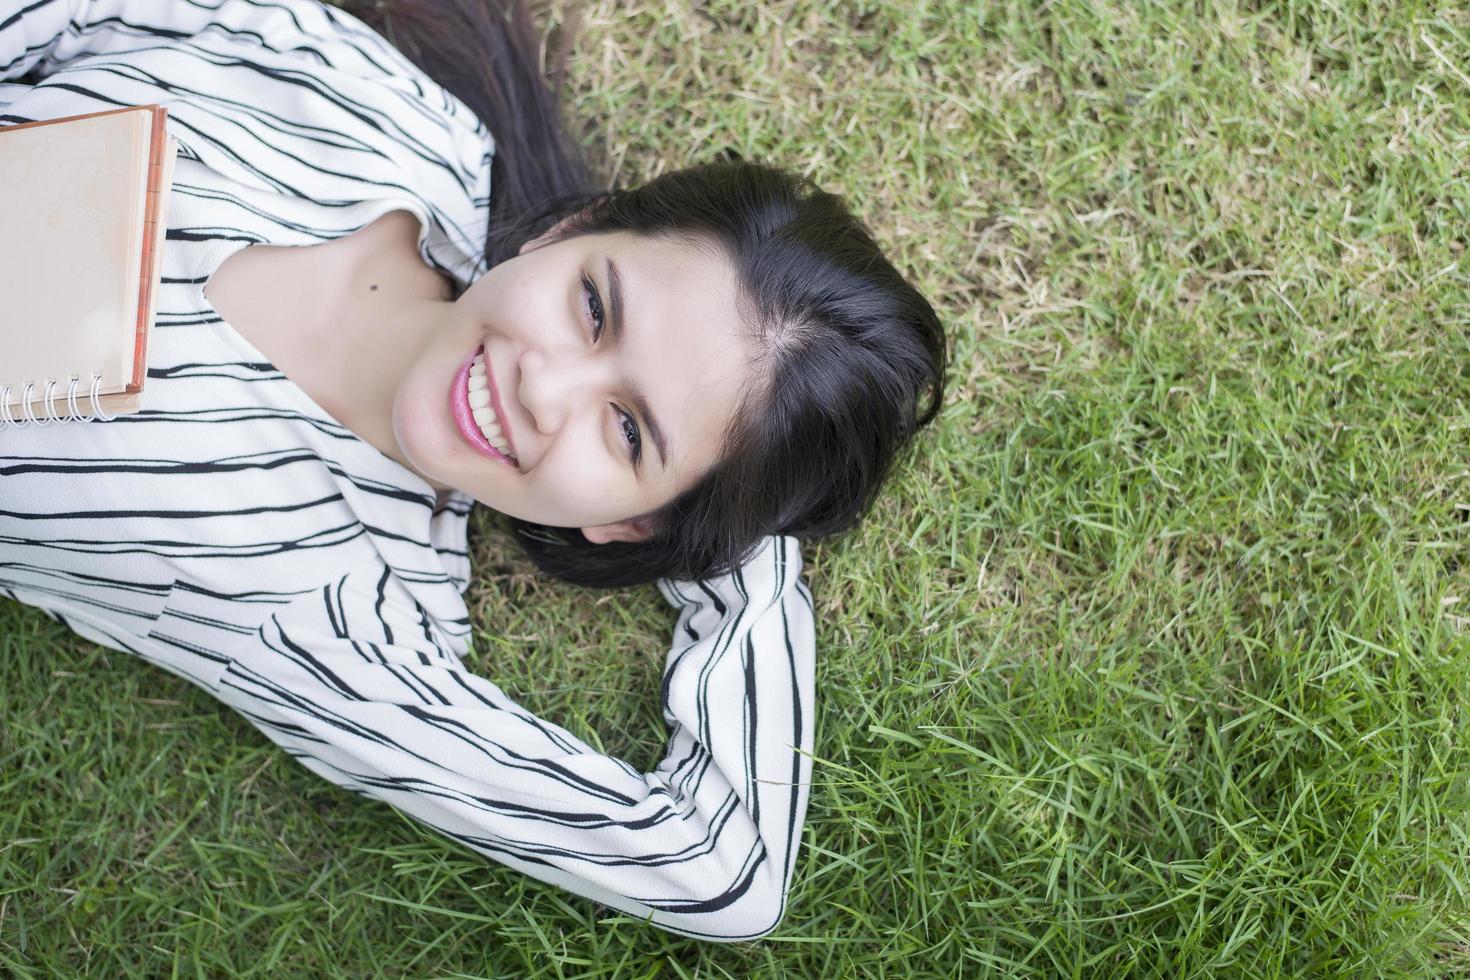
(484, 415)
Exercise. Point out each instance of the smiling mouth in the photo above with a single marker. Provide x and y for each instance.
(474, 403)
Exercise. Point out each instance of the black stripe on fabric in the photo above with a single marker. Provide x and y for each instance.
(752, 788)
(429, 687)
(797, 739)
(247, 596)
(89, 627)
(257, 375)
(215, 25)
(235, 203)
(412, 577)
(427, 628)
(42, 465)
(503, 848)
(343, 533)
(714, 597)
(700, 761)
(184, 124)
(295, 731)
(212, 622)
(191, 235)
(546, 767)
(752, 775)
(541, 727)
(169, 514)
(378, 606)
(403, 676)
(351, 29)
(81, 600)
(318, 711)
(703, 906)
(321, 232)
(336, 615)
(723, 640)
(79, 577)
(381, 122)
(692, 782)
(194, 648)
(284, 698)
(162, 33)
(571, 819)
(23, 11)
(693, 778)
(737, 632)
(688, 616)
(211, 370)
(258, 113)
(321, 671)
(747, 720)
(140, 32)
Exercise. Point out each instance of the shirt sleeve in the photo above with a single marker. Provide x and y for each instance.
(30, 32)
(41, 37)
(288, 98)
(346, 680)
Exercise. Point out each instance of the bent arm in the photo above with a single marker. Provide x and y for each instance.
(42, 35)
(704, 844)
(29, 32)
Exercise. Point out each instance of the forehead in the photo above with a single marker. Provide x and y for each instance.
(685, 341)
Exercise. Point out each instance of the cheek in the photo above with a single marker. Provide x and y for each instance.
(588, 485)
(528, 303)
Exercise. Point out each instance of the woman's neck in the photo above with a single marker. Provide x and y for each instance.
(386, 306)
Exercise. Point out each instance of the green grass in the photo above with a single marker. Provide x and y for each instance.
(1153, 662)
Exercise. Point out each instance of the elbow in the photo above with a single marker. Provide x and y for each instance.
(756, 914)
(756, 921)
(768, 916)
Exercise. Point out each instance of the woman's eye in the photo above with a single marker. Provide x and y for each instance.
(594, 306)
(631, 435)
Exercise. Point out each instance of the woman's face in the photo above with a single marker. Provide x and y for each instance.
(613, 363)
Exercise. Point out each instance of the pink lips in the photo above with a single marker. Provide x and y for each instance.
(464, 419)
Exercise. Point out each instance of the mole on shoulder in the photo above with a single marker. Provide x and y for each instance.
(373, 286)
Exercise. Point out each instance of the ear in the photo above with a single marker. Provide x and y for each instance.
(633, 530)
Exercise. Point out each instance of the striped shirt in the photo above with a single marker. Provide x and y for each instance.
(234, 533)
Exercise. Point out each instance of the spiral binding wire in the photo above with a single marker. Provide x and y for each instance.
(48, 402)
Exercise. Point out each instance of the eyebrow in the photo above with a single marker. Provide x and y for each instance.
(615, 306)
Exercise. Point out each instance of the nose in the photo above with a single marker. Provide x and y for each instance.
(554, 387)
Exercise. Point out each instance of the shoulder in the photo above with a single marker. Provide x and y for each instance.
(287, 43)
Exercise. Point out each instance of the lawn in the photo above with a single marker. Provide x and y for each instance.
(1154, 659)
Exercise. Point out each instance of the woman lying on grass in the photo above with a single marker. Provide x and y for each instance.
(670, 384)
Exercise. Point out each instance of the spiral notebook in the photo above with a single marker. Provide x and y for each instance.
(83, 201)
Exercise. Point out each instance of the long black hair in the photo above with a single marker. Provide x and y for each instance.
(851, 357)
